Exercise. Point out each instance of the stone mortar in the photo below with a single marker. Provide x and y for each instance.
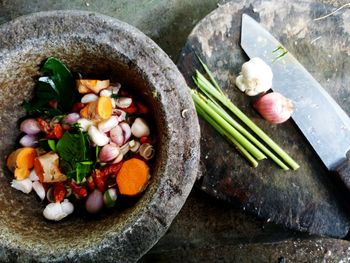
(91, 43)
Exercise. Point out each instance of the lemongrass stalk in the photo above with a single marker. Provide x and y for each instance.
(226, 135)
(226, 126)
(216, 107)
(205, 85)
(210, 75)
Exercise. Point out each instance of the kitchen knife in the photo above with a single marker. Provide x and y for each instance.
(322, 121)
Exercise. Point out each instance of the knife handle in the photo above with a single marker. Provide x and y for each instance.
(343, 171)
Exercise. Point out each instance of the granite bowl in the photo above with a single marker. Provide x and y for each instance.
(91, 43)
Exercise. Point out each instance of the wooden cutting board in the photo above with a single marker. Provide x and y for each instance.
(309, 199)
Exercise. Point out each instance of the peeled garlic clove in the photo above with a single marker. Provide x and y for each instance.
(123, 102)
(274, 107)
(126, 131)
(30, 126)
(67, 207)
(58, 211)
(117, 136)
(84, 124)
(107, 125)
(140, 128)
(146, 150)
(29, 141)
(108, 153)
(24, 185)
(39, 189)
(119, 158)
(120, 114)
(99, 138)
(33, 176)
(90, 97)
(106, 93)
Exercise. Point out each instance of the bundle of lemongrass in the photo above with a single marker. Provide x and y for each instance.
(211, 102)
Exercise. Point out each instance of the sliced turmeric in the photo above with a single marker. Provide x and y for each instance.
(21, 161)
(47, 168)
(91, 85)
(133, 177)
(98, 110)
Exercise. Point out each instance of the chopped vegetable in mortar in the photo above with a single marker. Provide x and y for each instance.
(83, 139)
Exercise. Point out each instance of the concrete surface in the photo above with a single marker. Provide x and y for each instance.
(206, 230)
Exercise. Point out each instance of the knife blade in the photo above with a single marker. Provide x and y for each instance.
(322, 121)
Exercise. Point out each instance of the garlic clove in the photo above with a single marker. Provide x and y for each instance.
(90, 97)
(120, 114)
(24, 185)
(119, 158)
(107, 125)
(274, 107)
(98, 137)
(84, 124)
(117, 136)
(126, 131)
(39, 189)
(140, 128)
(33, 176)
(106, 93)
(58, 211)
(108, 153)
(123, 102)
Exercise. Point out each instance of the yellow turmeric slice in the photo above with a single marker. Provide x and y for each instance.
(133, 177)
(91, 85)
(98, 110)
(21, 161)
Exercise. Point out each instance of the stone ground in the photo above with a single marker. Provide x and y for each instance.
(206, 229)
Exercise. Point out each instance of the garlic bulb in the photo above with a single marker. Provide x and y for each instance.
(255, 77)
(274, 107)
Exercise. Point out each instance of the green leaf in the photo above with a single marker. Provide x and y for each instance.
(82, 170)
(61, 81)
(73, 149)
(52, 145)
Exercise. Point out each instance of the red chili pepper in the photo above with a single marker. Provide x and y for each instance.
(145, 139)
(111, 169)
(131, 109)
(77, 107)
(59, 192)
(79, 190)
(90, 182)
(142, 109)
(44, 125)
(56, 132)
(99, 180)
(101, 176)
